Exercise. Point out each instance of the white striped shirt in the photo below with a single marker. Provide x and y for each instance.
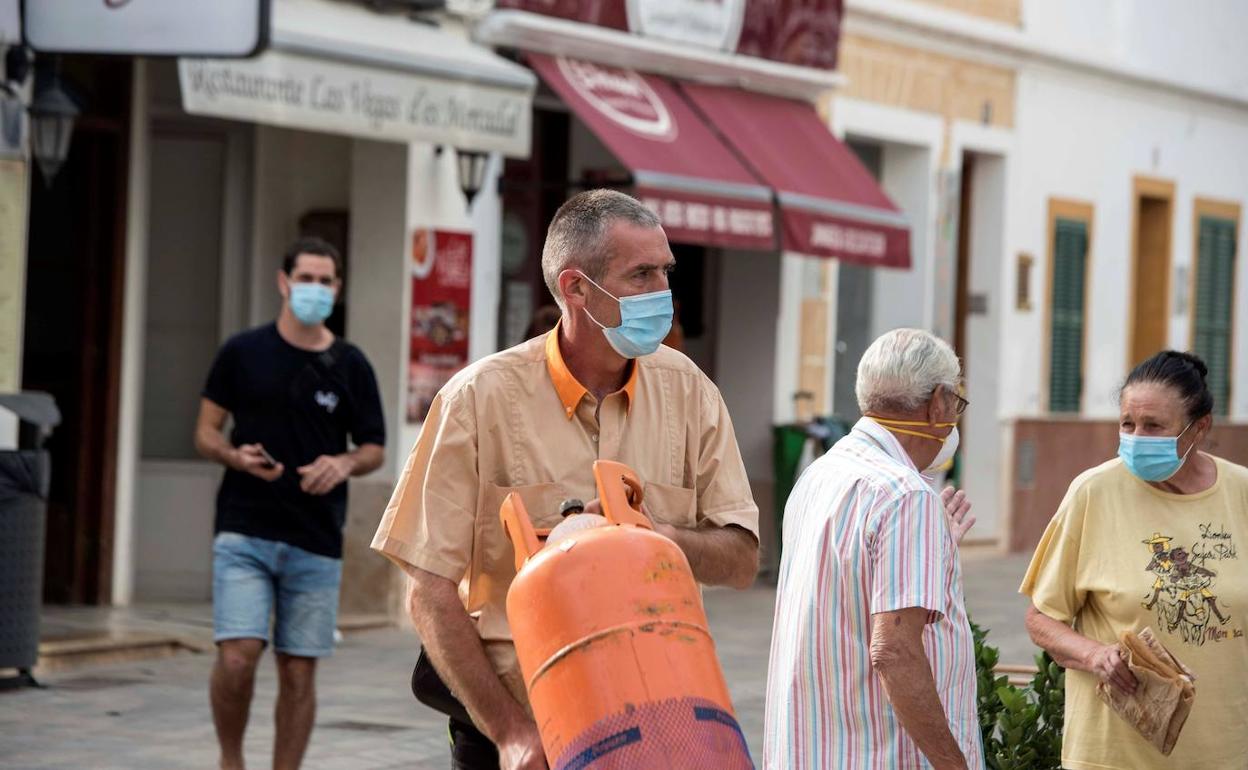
(863, 533)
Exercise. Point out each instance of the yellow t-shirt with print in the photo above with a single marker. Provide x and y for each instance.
(1122, 555)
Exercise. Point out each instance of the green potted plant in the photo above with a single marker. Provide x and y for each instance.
(1021, 726)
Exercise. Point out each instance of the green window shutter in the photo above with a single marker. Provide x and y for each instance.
(1070, 257)
(1215, 285)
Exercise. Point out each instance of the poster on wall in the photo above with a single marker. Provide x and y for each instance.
(441, 275)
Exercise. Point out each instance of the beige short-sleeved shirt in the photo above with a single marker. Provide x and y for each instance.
(518, 421)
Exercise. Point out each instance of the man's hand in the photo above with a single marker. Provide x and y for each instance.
(321, 476)
(521, 748)
(957, 508)
(212, 444)
(451, 640)
(666, 530)
(249, 458)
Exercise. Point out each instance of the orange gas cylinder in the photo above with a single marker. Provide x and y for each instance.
(614, 645)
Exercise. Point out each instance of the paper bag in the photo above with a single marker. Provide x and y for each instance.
(1163, 698)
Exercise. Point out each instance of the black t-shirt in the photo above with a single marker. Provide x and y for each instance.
(300, 405)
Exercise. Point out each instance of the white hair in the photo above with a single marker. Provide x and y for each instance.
(902, 368)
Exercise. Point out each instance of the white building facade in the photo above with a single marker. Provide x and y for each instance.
(1065, 159)
(1056, 162)
(351, 125)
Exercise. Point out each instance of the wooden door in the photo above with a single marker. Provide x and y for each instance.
(73, 329)
(1150, 309)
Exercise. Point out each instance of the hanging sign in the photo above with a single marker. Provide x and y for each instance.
(147, 27)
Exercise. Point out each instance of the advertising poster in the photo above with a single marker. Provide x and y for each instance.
(441, 275)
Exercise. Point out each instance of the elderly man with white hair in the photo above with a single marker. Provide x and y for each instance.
(872, 660)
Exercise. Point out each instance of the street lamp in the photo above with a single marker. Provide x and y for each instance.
(52, 114)
(472, 165)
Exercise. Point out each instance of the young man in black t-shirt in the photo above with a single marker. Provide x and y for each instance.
(296, 394)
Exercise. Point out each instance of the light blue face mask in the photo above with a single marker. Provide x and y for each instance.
(311, 302)
(645, 320)
(1152, 458)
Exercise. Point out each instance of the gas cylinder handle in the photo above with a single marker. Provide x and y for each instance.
(619, 490)
(519, 528)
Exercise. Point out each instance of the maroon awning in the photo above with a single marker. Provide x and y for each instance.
(696, 184)
(830, 205)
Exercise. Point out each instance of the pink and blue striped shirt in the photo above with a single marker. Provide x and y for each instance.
(863, 533)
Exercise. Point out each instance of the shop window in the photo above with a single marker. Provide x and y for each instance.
(1069, 227)
(1213, 308)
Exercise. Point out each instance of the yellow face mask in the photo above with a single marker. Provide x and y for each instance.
(901, 426)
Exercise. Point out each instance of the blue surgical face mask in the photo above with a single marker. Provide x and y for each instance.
(311, 302)
(1152, 458)
(645, 320)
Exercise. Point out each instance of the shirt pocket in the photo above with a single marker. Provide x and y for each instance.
(493, 555)
(671, 504)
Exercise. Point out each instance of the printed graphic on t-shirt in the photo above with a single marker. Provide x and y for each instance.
(1185, 585)
(328, 400)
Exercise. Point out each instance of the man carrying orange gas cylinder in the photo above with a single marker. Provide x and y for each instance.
(528, 426)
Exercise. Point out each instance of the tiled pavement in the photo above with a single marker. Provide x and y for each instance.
(155, 714)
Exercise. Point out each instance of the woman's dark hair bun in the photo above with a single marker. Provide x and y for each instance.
(1195, 361)
(1185, 372)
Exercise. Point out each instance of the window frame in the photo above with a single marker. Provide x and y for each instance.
(1230, 211)
(1065, 208)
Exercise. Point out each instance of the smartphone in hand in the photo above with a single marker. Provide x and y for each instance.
(269, 462)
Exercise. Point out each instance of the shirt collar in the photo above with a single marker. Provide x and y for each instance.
(885, 439)
(569, 389)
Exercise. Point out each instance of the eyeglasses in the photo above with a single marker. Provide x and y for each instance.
(963, 403)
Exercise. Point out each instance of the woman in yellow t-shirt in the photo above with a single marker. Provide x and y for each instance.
(1150, 539)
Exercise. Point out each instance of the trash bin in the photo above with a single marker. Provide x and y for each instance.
(789, 443)
(24, 476)
(789, 440)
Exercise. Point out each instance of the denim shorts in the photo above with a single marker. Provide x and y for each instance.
(254, 580)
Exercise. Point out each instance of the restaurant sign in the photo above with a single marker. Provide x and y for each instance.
(705, 23)
(286, 89)
(805, 33)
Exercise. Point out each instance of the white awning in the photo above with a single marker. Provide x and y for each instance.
(341, 68)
